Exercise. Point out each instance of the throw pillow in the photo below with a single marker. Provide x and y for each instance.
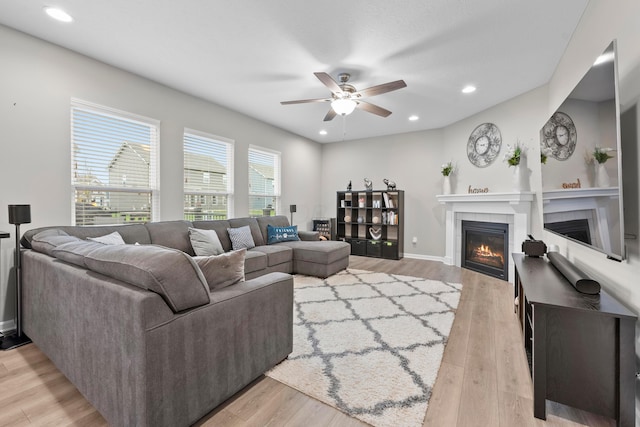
(241, 238)
(222, 270)
(110, 239)
(281, 234)
(205, 242)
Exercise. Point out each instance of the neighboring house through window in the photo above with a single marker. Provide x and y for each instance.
(208, 176)
(113, 166)
(264, 181)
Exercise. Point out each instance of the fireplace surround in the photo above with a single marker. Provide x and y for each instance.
(513, 209)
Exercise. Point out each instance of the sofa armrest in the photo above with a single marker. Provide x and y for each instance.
(309, 235)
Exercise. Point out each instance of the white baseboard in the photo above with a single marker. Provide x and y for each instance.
(425, 257)
(7, 325)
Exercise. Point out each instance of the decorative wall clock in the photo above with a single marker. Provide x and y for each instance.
(484, 145)
(559, 136)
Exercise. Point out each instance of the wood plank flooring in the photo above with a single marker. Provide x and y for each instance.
(483, 379)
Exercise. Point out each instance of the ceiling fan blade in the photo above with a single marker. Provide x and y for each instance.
(330, 115)
(371, 108)
(304, 101)
(328, 81)
(380, 89)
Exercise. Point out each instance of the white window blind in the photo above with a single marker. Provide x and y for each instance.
(113, 166)
(264, 182)
(208, 176)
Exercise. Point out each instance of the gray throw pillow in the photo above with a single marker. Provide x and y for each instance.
(241, 238)
(109, 239)
(205, 242)
(222, 270)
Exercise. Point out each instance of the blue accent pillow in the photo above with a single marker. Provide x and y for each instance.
(281, 234)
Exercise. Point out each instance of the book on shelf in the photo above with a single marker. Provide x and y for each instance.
(385, 196)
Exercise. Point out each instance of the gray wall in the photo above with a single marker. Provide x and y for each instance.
(37, 82)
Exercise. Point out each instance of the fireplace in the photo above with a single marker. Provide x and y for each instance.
(577, 229)
(485, 248)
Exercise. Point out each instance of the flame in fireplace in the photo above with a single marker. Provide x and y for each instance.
(484, 251)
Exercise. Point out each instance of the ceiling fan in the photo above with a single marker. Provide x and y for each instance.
(345, 98)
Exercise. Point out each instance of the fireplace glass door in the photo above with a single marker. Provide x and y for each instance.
(485, 247)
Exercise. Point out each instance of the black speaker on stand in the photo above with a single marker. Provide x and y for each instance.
(292, 209)
(18, 214)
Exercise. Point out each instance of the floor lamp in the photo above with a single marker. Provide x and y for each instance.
(18, 214)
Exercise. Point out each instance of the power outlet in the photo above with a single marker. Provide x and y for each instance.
(414, 240)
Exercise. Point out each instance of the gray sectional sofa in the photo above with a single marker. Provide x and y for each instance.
(138, 330)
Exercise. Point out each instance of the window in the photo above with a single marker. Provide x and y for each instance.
(208, 174)
(113, 166)
(264, 182)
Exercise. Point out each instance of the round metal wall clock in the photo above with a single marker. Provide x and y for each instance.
(484, 145)
(559, 136)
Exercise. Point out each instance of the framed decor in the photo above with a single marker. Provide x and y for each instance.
(484, 145)
(559, 136)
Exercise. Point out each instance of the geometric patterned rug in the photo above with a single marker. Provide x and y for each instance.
(369, 344)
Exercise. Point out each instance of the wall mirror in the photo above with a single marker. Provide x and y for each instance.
(582, 195)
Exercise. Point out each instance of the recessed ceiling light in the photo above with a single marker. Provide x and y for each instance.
(413, 118)
(469, 89)
(58, 14)
(323, 132)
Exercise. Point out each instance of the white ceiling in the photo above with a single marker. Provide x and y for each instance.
(250, 55)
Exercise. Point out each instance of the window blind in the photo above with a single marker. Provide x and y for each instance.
(264, 181)
(113, 170)
(208, 176)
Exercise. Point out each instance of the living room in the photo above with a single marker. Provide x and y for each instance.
(39, 79)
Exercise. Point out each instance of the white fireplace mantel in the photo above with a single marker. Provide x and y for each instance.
(510, 208)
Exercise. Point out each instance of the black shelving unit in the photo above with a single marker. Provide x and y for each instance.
(360, 211)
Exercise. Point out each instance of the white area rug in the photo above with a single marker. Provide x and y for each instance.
(369, 344)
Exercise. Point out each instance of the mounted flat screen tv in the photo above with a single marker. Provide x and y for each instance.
(582, 195)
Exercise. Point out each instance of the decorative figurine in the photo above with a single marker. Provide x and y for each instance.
(390, 184)
(376, 233)
(349, 186)
(368, 185)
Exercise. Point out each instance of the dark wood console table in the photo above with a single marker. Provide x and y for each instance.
(580, 347)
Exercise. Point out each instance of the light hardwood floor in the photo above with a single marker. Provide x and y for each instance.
(483, 379)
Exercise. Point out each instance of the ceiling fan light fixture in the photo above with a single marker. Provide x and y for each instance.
(343, 106)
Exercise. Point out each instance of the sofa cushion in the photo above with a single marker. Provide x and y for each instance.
(222, 270)
(75, 251)
(220, 226)
(172, 234)
(131, 233)
(322, 252)
(108, 239)
(241, 238)
(47, 240)
(205, 242)
(258, 239)
(276, 254)
(254, 261)
(171, 273)
(281, 234)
